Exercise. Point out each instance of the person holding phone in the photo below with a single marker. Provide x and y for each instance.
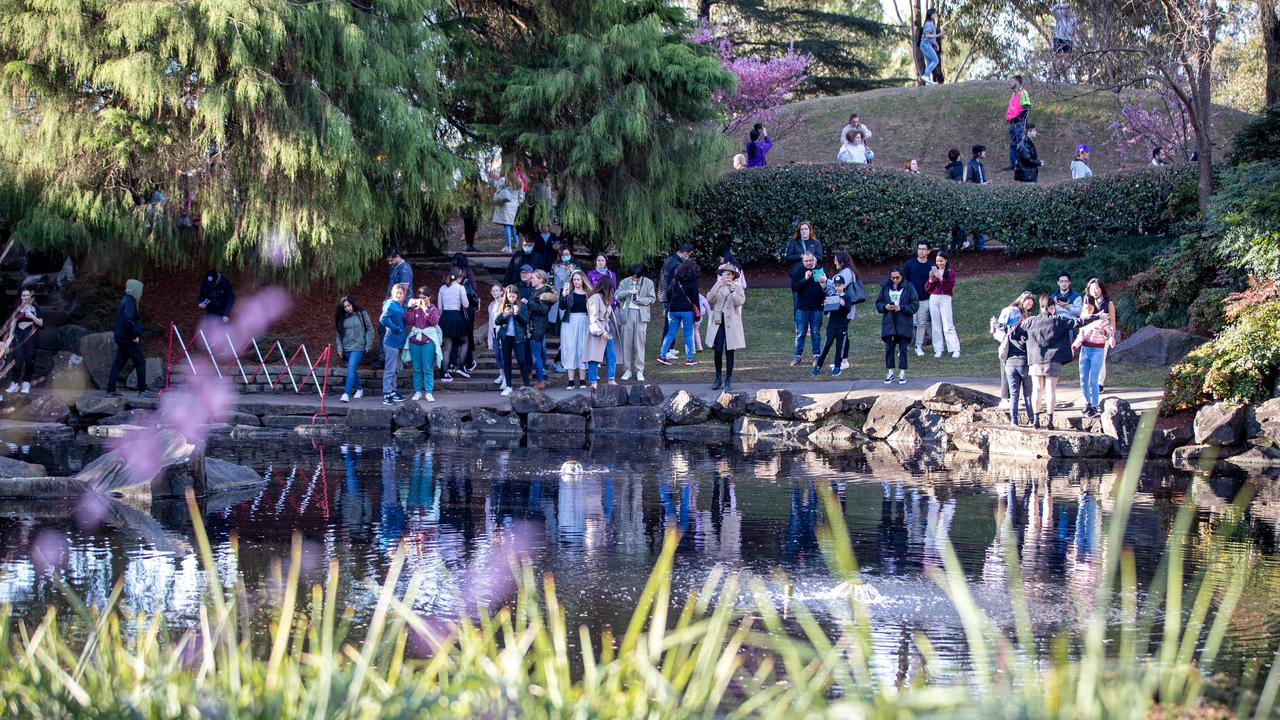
(26, 322)
(896, 304)
(940, 285)
(423, 321)
(724, 322)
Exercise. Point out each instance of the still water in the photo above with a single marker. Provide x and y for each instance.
(595, 518)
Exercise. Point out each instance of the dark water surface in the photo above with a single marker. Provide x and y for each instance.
(462, 509)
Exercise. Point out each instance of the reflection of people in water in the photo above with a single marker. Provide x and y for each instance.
(423, 500)
(937, 526)
(676, 513)
(354, 504)
(726, 520)
(390, 511)
(802, 539)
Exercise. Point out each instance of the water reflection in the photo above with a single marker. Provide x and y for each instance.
(595, 518)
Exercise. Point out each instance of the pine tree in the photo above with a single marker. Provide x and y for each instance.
(300, 136)
(612, 99)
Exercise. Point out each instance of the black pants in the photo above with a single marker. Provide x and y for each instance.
(839, 337)
(470, 224)
(898, 345)
(723, 356)
(24, 356)
(128, 352)
(510, 346)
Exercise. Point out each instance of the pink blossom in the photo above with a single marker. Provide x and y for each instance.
(49, 551)
(762, 86)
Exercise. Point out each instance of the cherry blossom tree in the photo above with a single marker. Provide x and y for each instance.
(763, 85)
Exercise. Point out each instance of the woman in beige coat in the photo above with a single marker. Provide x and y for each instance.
(601, 330)
(724, 327)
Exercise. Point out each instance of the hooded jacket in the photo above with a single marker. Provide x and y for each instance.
(897, 323)
(1029, 162)
(128, 327)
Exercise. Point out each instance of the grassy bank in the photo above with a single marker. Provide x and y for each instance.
(770, 330)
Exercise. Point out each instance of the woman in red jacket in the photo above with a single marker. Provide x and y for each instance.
(940, 285)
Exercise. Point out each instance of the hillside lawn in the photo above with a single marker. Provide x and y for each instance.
(923, 122)
(767, 317)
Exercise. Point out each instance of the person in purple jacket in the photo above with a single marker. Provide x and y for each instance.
(757, 148)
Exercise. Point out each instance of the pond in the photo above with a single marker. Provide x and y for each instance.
(595, 518)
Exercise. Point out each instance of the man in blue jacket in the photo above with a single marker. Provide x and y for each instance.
(128, 337)
(401, 271)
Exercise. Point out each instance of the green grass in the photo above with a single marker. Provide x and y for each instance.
(705, 655)
(767, 317)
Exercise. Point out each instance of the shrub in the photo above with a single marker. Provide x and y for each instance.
(1242, 363)
(1127, 315)
(1258, 139)
(1166, 291)
(878, 213)
(1117, 260)
(1206, 316)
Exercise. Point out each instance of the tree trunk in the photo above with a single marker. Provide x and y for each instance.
(938, 77)
(1269, 17)
(704, 9)
(913, 42)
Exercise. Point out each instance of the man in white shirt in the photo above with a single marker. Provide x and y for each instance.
(855, 123)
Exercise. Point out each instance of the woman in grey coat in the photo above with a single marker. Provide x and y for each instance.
(355, 340)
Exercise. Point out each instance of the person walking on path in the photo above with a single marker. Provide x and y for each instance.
(916, 271)
(810, 295)
(540, 306)
(758, 146)
(601, 331)
(394, 337)
(1080, 166)
(22, 344)
(896, 304)
(1048, 349)
(512, 328)
(1101, 305)
(940, 286)
(422, 321)
(401, 272)
(573, 329)
(635, 296)
(453, 300)
(355, 341)
(803, 240)
(1016, 116)
(1064, 29)
(840, 306)
(508, 195)
(954, 169)
(976, 171)
(1013, 355)
(929, 35)
(127, 333)
(216, 296)
(1028, 159)
(725, 333)
(684, 311)
(1091, 343)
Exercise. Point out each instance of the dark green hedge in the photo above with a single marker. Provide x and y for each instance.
(878, 213)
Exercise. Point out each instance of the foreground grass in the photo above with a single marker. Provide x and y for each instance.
(700, 656)
(770, 328)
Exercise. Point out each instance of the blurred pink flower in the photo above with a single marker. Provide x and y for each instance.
(91, 510)
(49, 551)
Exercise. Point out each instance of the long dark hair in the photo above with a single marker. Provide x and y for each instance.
(1102, 292)
(687, 270)
(845, 260)
(604, 286)
(930, 14)
(340, 314)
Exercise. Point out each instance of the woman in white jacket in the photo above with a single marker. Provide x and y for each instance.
(508, 194)
(854, 149)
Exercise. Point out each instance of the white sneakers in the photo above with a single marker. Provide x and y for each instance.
(359, 393)
(640, 377)
(497, 380)
(626, 374)
(417, 396)
(919, 351)
(429, 397)
(673, 354)
(13, 388)
(955, 354)
(506, 391)
(902, 377)
(844, 364)
(937, 355)
(345, 398)
(26, 388)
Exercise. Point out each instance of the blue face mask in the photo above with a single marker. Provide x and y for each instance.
(566, 259)
(546, 235)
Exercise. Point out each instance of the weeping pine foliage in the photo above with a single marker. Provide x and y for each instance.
(615, 100)
(307, 134)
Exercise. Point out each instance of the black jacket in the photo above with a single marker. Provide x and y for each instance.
(520, 257)
(128, 327)
(838, 319)
(1028, 169)
(897, 323)
(796, 249)
(684, 296)
(1049, 337)
(977, 172)
(536, 310)
(809, 294)
(955, 170)
(219, 294)
(667, 278)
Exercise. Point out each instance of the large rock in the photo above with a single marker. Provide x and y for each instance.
(1258, 455)
(577, 404)
(527, 400)
(154, 375)
(730, 405)
(256, 432)
(774, 402)
(21, 432)
(949, 398)
(710, 432)
(65, 338)
(638, 420)
(444, 422)
(609, 396)
(375, 418)
(1155, 346)
(408, 415)
(1028, 443)
(547, 422)
(1120, 423)
(819, 408)
(685, 408)
(11, 468)
(772, 429)
(68, 373)
(45, 409)
(1220, 424)
(1263, 421)
(98, 350)
(837, 436)
(487, 422)
(645, 394)
(119, 470)
(221, 476)
(1193, 457)
(285, 422)
(100, 405)
(885, 414)
(1165, 440)
(919, 428)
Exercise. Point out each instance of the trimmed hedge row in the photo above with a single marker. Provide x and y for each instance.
(878, 213)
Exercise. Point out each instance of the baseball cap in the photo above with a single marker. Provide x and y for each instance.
(1083, 148)
(526, 268)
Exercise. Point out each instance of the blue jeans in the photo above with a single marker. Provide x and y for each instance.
(1090, 369)
(1019, 377)
(809, 322)
(930, 59)
(509, 236)
(610, 364)
(353, 359)
(678, 320)
(424, 366)
(538, 349)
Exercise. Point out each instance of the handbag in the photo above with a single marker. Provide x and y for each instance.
(859, 292)
(697, 311)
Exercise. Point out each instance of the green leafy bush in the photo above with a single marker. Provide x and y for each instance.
(1258, 139)
(1166, 291)
(1116, 260)
(1241, 363)
(1206, 315)
(878, 213)
(1245, 216)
